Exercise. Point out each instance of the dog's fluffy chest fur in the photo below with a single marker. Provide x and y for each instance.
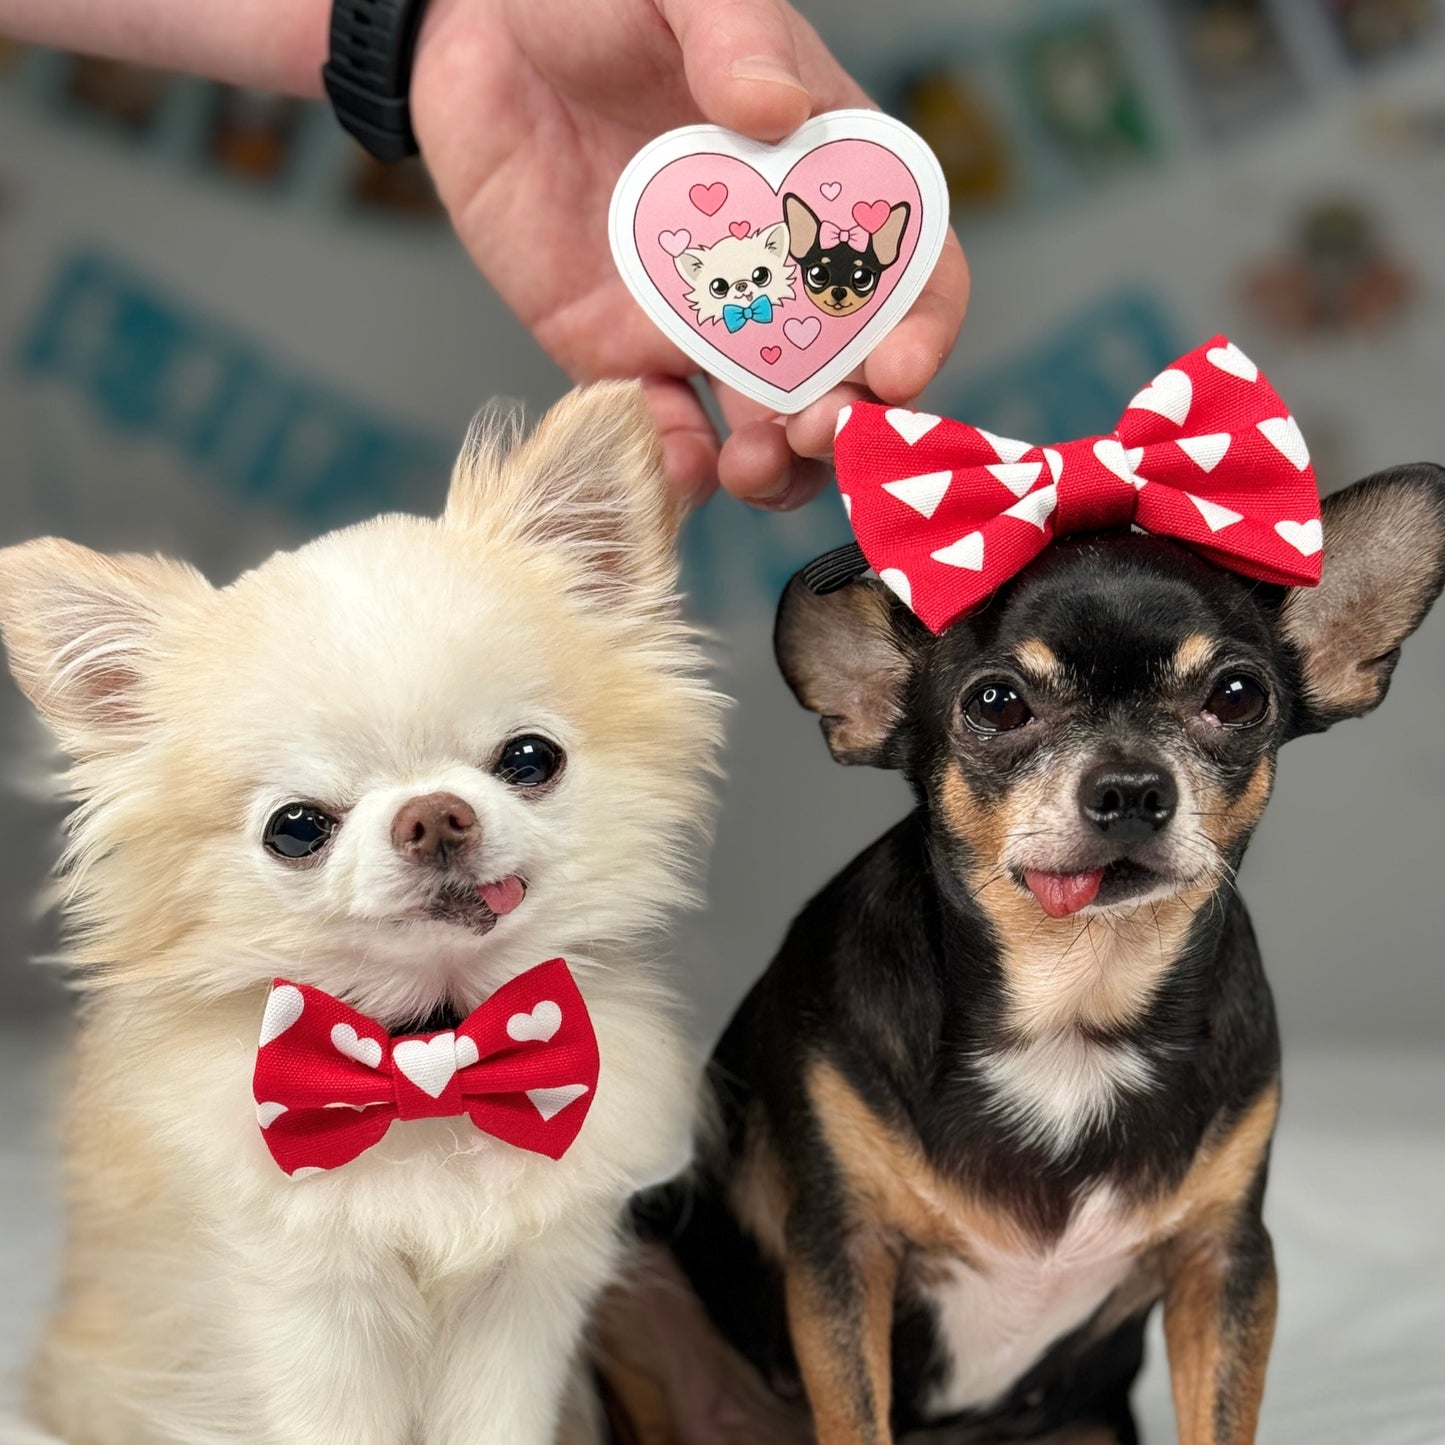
(997, 1313)
(417, 1247)
(1052, 1091)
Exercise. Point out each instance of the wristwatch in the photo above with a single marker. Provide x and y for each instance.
(368, 72)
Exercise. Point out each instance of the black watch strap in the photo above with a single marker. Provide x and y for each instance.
(368, 74)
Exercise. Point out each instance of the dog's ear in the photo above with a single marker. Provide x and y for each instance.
(775, 241)
(889, 236)
(587, 487)
(81, 630)
(802, 225)
(1384, 565)
(689, 266)
(848, 656)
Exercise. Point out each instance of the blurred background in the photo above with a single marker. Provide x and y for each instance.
(223, 330)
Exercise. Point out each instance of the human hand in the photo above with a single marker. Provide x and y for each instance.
(528, 110)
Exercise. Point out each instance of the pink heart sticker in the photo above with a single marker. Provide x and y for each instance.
(871, 216)
(737, 290)
(708, 199)
(802, 331)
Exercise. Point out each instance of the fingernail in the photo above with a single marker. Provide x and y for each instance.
(765, 67)
(774, 494)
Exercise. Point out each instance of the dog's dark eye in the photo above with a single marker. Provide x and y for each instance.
(1238, 702)
(863, 279)
(529, 761)
(995, 708)
(818, 276)
(299, 831)
(762, 276)
(718, 286)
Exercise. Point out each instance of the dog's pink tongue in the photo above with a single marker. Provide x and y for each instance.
(1061, 894)
(503, 896)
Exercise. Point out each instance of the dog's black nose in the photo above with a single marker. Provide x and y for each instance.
(840, 293)
(1128, 801)
(433, 828)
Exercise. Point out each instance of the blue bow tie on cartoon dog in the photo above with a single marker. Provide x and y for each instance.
(736, 317)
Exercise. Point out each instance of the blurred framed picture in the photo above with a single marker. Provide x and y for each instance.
(252, 134)
(1238, 68)
(403, 190)
(949, 108)
(10, 53)
(1372, 30)
(1338, 277)
(126, 97)
(1083, 96)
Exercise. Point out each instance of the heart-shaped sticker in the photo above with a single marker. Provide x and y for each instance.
(800, 257)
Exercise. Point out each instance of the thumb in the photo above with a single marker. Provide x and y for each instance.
(740, 63)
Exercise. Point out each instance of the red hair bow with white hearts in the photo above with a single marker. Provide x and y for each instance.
(1207, 454)
(330, 1082)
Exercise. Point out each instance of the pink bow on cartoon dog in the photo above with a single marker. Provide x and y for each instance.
(830, 235)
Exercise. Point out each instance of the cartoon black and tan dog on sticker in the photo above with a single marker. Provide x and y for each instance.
(841, 265)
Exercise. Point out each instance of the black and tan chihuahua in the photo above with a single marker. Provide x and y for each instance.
(1012, 1079)
(840, 267)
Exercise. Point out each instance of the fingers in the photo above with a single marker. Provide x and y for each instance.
(779, 462)
(759, 467)
(811, 431)
(758, 463)
(689, 440)
(909, 356)
(741, 64)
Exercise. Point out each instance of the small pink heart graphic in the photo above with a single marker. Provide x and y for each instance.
(871, 215)
(831, 190)
(802, 331)
(740, 229)
(674, 242)
(771, 354)
(709, 199)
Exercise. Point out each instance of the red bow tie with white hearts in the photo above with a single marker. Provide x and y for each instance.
(1206, 454)
(330, 1082)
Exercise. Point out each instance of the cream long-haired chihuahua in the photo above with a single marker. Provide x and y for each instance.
(402, 765)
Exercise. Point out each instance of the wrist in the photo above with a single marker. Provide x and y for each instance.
(301, 42)
(275, 45)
